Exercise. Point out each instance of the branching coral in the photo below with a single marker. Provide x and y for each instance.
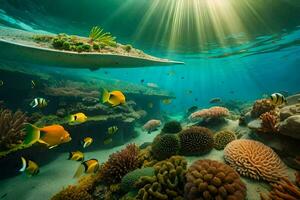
(213, 112)
(269, 123)
(254, 159)
(11, 128)
(164, 146)
(172, 127)
(167, 182)
(261, 106)
(208, 179)
(145, 157)
(120, 163)
(222, 138)
(196, 140)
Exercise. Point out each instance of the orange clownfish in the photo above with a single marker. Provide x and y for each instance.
(114, 98)
(50, 135)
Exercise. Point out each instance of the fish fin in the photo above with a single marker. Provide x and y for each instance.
(34, 103)
(32, 134)
(105, 96)
(51, 147)
(79, 171)
(85, 145)
(114, 101)
(24, 164)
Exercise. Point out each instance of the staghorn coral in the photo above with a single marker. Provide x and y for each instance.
(261, 106)
(209, 179)
(120, 163)
(172, 127)
(282, 190)
(269, 122)
(213, 112)
(11, 129)
(196, 140)
(167, 182)
(254, 159)
(164, 146)
(222, 138)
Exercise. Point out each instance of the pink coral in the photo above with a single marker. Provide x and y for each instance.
(213, 112)
(152, 125)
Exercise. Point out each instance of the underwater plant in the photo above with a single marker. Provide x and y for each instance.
(127, 47)
(196, 140)
(11, 128)
(261, 106)
(222, 138)
(209, 179)
(164, 146)
(104, 38)
(254, 159)
(172, 127)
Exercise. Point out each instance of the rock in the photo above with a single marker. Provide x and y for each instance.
(294, 99)
(288, 111)
(291, 126)
(255, 124)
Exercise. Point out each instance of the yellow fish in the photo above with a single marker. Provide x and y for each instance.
(76, 155)
(38, 102)
(112, 130)
(114, 98)
(50, 135)
(167, 101)
(29, 167)
(88, 167)
(277, 99)
(77, 118)
(86, 142)
(107, 140)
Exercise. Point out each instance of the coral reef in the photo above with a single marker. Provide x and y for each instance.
(208, 179)
(119, 164)
(164, 146)
(297, 178)
(213, 112)
(261, 106)
(167, 182)
(146, 158)
(269, 122)
(282, 190)
(129, 180)
(172, 127)
(222, 138)
(254, 159)
(196, 140)
(11, 128)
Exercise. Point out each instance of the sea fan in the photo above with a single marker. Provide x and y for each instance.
(104, 38)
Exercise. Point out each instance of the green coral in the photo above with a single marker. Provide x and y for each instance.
(222, 138)
(172, 127)
(129, 180)
(164, 146)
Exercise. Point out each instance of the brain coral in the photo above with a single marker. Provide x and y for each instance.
(208, 179)
(196, 140)
(213, 112)
(222, 138)
(261, 106)
(172, 127)
(254, 159)
(120, 163)
(164, 146)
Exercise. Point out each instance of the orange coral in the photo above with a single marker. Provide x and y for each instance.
(254, 159)
(261, 106)
(213, 112)
(270, 122)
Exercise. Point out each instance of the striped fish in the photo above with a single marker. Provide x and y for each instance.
(38, 102)
(277, 99)
(112, 130)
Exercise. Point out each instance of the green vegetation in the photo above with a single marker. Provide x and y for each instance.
(97, 34)
(127, 47)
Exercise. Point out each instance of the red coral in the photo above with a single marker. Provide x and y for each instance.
(260, 107)
(120, 163)
(269, 122)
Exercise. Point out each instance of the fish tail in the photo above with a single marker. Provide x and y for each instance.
(24, 164)
(105, 96)
(32, 134)
(34, 103)
(79, 171)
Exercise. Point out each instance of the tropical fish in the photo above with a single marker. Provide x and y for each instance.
(50, 135)
(29, 167)
(38, 102)
(77, 118)
(150, 105)
(215, 100)
(88, 167)
(76, 155)
(114, 98)
(86, 142)
(152, 85)
(112, 130)
(277, 99)
(167, 101)
(152, 125)
(107, 140)
(142, 81)
(32, 84)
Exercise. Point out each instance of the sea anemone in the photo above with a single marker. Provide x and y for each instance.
(196, 140)
(222, 138)
(172, 127)
(209, 179)
(260, 107)
(254, 159)
(213, 112)
(164, 146)
(269, 122)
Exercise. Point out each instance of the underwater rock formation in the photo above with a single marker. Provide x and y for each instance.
(172, 127)
(11, 128)
(209, 179)
(288, 111)
(167, 182)
(213, 112)
(261, 106)
(196, 140)
(164, 146)
(222, 138)
(254, 159)
(291, 126)
(119, 164)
